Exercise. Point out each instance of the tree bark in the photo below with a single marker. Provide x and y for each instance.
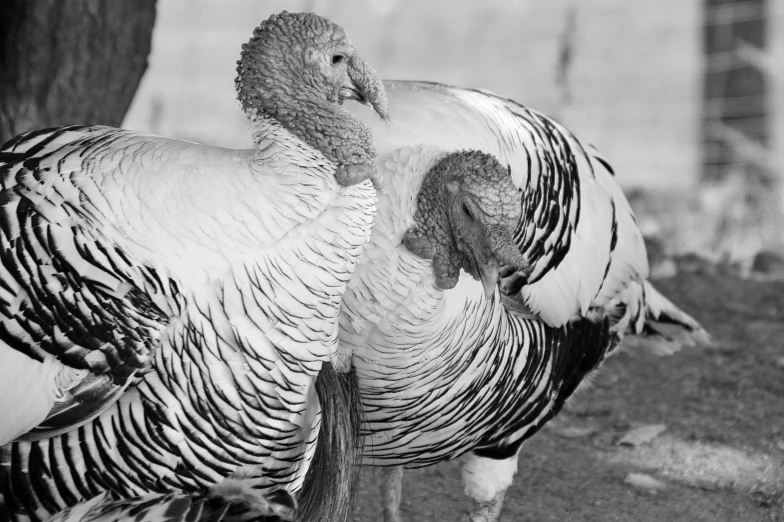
(68, 62)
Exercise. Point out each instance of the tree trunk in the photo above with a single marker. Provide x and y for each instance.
(68, 62)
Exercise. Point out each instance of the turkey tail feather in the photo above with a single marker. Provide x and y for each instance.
(661, 327)
(659, 308)
(333, 476)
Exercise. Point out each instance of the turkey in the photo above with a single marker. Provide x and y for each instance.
(504, 265)
(169, 310)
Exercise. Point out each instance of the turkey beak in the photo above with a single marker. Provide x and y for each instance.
(366, 87)
(488, 274)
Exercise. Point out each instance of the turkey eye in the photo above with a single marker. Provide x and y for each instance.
(338, 58)
(467, 212)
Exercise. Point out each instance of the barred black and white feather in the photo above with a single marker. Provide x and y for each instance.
(169, 310)
(443, 373)
(165, 310)
(231, 500)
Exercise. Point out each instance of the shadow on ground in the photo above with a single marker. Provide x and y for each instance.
(721, 457)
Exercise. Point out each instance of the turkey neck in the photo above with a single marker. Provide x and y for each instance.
(392, 308)
(323, 125)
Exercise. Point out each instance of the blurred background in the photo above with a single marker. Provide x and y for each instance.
(685, 97)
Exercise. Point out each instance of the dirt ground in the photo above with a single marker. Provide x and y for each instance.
(720, 458)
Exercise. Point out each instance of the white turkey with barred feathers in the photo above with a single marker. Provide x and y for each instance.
(504, 265)
(169, 310)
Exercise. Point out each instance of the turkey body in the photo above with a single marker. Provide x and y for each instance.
(444, 372)
(166, 307)
(169, 310)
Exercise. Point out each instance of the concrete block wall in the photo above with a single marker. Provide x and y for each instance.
(637, 82)
(632, 88)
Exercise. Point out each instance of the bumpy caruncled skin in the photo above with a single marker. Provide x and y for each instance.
(467, 210)
(278, 55)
